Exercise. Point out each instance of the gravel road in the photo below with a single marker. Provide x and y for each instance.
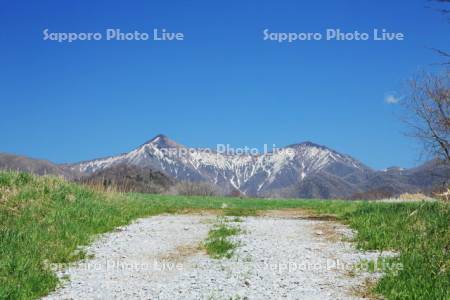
(278, 257)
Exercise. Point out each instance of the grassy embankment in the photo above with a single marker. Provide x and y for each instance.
(45, 220)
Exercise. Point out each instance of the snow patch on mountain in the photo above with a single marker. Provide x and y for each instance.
(244, 172)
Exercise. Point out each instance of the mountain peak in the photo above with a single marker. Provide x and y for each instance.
(307, 144)
(162, 141)
(159, 137)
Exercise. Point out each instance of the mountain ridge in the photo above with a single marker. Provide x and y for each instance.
(296, 170)
(301, 170)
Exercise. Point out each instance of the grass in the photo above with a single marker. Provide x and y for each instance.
(420, 232)
(45, 220)
(217, 244)
(239, 212)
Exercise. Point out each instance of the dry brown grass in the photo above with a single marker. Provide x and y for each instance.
(444, 196)
(182, 252)
(328, 230)
(288, 213)
(414, 197)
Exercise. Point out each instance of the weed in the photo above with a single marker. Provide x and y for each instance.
(217, 244)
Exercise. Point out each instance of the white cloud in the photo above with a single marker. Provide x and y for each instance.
(391, 98)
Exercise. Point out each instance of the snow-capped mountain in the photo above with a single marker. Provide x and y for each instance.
(285, 172)
(304, 170)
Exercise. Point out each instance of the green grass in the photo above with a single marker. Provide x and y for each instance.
(240, 212)
(45, 220)
(217, 244)
(420, 232)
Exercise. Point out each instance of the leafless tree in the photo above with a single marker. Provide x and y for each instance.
(442, 6)
(189, 188)
(427, 106)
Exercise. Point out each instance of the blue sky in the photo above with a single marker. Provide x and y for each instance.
(222, 85)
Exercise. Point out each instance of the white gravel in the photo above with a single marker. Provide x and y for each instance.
(160, 258)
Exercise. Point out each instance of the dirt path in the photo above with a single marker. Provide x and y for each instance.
(160, 258)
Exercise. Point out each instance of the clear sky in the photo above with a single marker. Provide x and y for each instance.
(222, 85)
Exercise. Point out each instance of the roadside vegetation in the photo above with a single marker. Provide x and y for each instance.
(420, 233)
(218, 244)
(45, 220)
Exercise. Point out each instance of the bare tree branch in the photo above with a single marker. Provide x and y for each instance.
(445, 11)
(427, 108)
